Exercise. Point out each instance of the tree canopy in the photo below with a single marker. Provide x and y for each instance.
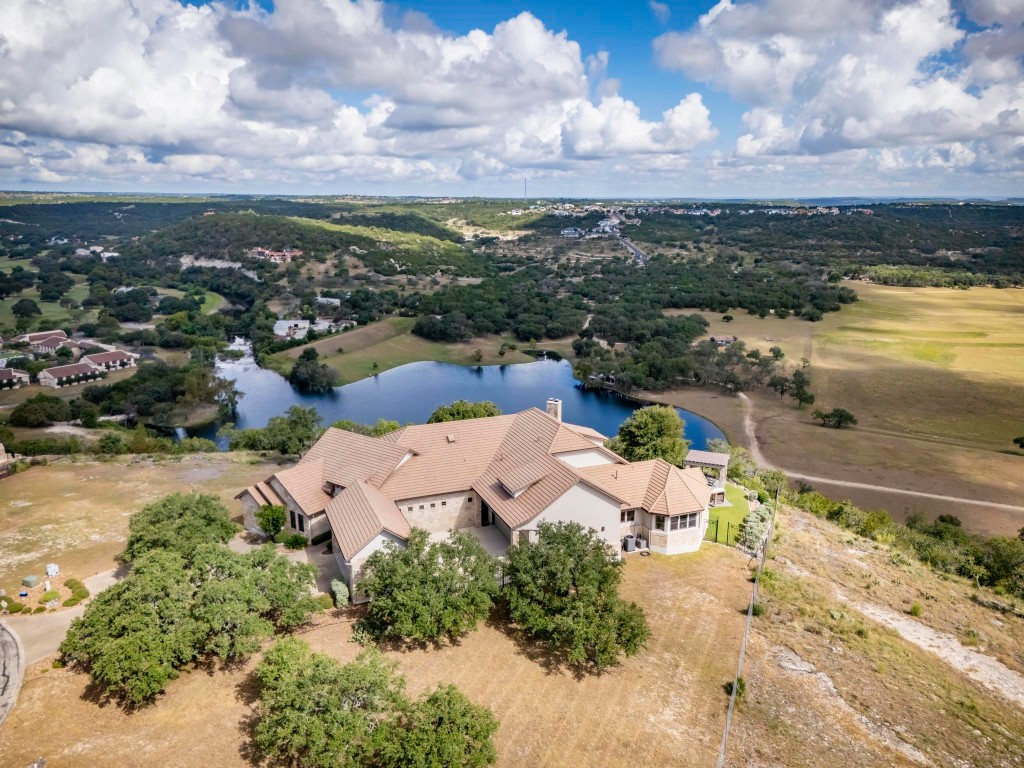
(292, 433)
(563, 590)
(310, 375)
(428, 590)
(654, 432)
(314, 712)
(837, 417)
(463, 409)
(178, 523)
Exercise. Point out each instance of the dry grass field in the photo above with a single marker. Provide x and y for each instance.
(666, 707)
(75, 513)
(933, 376)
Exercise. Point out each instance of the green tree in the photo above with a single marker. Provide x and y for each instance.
(271, 519)
(178, 523)
(292, 433)
(24, 309)
(310, 375)
(837, 417)
(463, 409)
(563, 590)
(316, 713)
(654, 432)
(442, 730)
(1019, 442)
(111, 444)
(428, 590)
(382, 427)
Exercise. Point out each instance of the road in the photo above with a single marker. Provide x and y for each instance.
(750, 427)
(640, 256)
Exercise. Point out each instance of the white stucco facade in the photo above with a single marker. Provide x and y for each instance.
(587, 506)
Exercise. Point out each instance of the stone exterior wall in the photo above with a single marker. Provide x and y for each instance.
(443, 512)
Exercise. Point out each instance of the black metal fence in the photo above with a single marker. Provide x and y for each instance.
(727, 534)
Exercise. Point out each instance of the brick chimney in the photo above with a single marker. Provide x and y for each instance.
(554, 408)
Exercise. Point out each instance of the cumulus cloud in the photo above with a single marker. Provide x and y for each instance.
(661, 11)
(869, 74)
(313, 90)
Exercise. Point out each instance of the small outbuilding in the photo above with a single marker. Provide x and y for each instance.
(718, 466)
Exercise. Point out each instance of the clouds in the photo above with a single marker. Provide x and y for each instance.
(316, 91)
(904, 79)
(338, 95)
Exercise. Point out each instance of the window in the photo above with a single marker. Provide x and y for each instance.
(410, 509)
(444, 503)
(470, 499)
(627, 516)
(293, 519)
(302, 524)
(680, 522)
(432, 505)
(421, 506)
(659, 522)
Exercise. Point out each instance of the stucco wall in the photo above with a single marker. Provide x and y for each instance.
(450, 510)
(587, 458)
(352, 570)
(586, 506)
(249, 507)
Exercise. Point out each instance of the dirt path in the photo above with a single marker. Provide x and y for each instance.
(749, 426)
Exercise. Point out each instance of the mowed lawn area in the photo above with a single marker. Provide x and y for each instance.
(665, 707)
(390, 343)
(75, 513)
(728, 517)
(933, 376)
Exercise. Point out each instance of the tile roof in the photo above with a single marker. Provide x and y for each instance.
(32, 338)
(263, 495)
(359, 513)
(304, 483)
(100, 358)
(349, 457)
(654, 485)
(587, 432)
(75, 369)
(9, 374)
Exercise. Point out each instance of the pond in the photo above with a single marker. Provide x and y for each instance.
(411, 392)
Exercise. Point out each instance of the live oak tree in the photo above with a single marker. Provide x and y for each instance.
(837, 417)
(1019, 442)
(463, 409)
(271, 518)
(564, 590)
(654, 432)
(178, 523)
(310, 375)
(428, 590)
(187, 598)
(315, 712)
(292, 433)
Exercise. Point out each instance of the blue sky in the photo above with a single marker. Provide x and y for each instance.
(744, 98)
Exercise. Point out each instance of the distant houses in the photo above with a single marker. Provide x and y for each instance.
(277, 257)
(723, 341)
(291, 329)
(12, 378)
(62, 375)
(93, 360)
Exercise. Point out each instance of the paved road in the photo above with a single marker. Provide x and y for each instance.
(640, 256)
(749, 427)
(12, 669)
(42, 634)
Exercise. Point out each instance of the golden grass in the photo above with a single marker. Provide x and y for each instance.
(665, 706)
(75, 513)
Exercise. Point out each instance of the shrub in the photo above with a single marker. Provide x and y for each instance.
(271, 519)
(915, 609)
(40, 609)
(325, 601)
(340, 590)
(46, 597)
(739, 684)
(13, 606)
(320, 538)
(71, 602)
(295, 541)
(758, 609)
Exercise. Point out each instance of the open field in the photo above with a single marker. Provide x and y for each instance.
(211, 302)
(666, 705)
(389, 343)
(75, 513)
(831, 682)
(933, 376)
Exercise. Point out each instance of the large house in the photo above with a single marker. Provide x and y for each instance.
(498, 477)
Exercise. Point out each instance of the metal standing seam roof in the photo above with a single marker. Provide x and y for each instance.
(304, 483)
(263, 495)
(711, 458)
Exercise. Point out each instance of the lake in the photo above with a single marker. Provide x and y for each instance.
(411, 392)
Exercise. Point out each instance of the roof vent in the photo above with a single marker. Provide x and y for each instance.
(451, 438)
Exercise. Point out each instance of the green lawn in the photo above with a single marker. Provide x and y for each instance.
(727, 516)
(211, 302)
(53, 315)
(389, 343)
